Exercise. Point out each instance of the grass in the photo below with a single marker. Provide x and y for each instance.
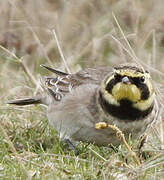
(30, 148)
(89, 35)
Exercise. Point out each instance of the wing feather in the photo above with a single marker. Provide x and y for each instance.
(63, 83)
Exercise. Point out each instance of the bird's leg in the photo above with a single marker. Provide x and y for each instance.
(71, 146)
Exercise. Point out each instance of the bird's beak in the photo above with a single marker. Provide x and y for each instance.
(125, 80)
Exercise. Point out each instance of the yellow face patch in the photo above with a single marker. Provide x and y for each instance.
(126, 91)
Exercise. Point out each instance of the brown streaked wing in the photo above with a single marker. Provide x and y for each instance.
(63, 82)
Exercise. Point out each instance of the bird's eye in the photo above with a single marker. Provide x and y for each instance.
(115, 75)
(142, 79)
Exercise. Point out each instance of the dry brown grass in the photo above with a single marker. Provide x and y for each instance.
(89, 35)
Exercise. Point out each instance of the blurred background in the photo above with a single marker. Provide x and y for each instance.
(87, 32)
(90, 34)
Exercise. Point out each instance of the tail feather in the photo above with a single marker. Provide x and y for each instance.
(60, 73)
(27, 101)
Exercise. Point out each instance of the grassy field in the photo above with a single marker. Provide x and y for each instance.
(91, 33)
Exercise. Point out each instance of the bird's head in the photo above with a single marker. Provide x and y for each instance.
(128, 88)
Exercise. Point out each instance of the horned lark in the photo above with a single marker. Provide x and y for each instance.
(121, 96)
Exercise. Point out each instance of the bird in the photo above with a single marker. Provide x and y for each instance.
(122, 95)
